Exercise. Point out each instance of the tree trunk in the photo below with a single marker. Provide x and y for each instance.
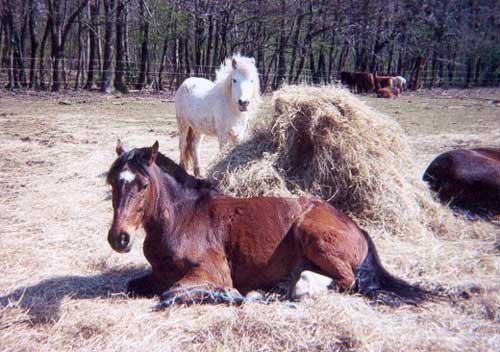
(215, 56)
(295, 44)
(208, 51)
(435, 70)
(198, 40)
(120, 48)
(162, 64)
(94, 15)
(141, 81)
(41, 59)
(34, 43)
(187, 61)
(305, 45)
(344, 54)
(419, 68)
(331, 57)
(80, 62)
(59, 31)
(107, 69)
(280, 76)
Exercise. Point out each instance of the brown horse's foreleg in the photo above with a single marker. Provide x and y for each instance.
(208, 282)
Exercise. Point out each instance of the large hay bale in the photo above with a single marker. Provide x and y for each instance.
(327, 142)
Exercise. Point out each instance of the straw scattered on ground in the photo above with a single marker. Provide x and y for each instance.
(62, 287)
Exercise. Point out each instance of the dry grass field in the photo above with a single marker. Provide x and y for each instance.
(62, 286)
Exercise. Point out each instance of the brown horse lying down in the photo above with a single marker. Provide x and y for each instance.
(384, 93)
(467, 180)
(201, 244)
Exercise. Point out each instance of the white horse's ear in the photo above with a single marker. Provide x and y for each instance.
(153, 153)
(120, 149)
(234, 63)
(252, 60)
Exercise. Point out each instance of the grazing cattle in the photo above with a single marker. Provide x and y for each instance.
(399, 82)
(467, 179)
(222, 108)
(202, 244)
(310, 284)
(384, 93)
(383, 82)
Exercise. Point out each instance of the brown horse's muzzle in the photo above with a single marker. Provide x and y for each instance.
(121, 242)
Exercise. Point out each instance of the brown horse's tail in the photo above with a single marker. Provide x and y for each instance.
(373, 281)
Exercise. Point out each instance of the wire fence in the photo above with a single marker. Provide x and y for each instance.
(168, 76)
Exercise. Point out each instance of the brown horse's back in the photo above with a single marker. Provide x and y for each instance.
(260, 245)
(468, 179)
(269, 239)
(491, 153)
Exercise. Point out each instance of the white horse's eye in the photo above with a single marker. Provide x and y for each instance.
(234, 80)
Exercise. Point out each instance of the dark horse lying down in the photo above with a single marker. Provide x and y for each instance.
(201, 243)
(467, 179)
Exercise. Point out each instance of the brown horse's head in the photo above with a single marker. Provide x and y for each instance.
(130, 178)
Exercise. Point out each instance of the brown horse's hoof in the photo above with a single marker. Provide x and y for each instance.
(199, 295)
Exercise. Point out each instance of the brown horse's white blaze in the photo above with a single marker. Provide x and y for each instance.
(202, 244)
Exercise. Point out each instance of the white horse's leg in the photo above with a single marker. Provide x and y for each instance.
(195, 152)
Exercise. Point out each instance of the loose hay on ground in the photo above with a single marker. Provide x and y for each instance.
(327, 142)
(62, 287)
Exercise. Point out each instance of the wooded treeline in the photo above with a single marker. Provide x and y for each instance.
(143, 44)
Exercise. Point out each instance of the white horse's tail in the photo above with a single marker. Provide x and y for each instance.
(189, 149)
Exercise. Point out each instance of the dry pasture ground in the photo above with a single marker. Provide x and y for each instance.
(62, 287)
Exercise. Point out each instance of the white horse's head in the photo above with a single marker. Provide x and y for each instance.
(241, 80)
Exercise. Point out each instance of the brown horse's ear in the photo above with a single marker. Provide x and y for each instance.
(120, 149)
(234, 63)
(153, 153)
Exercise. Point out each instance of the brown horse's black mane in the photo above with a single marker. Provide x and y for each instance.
(137, 161)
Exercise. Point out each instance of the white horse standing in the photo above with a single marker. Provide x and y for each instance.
(222, 108)
(399, 82)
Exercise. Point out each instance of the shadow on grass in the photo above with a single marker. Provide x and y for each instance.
(43, 300)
